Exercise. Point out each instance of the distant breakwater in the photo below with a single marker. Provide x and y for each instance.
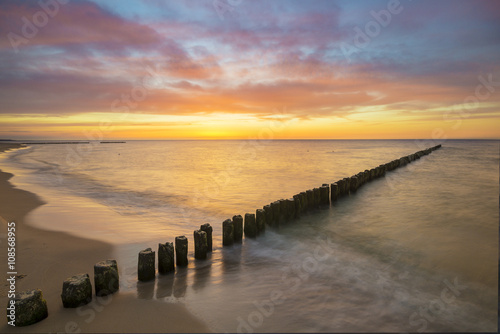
(31, 307)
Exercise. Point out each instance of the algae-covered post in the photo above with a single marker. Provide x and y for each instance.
(208, 230)
(310, 199)
(334, 191)
(298, 205)
(268, 212)
(316, 198)
(238, 228)
(30, 307)
(275, 207)
(166, 261)
(250, 225)
(106, 278)
(146, 270)
(181, 251)
(324, 195)
(227, 232)
(76, 291)
(200, 245)
(260, 219)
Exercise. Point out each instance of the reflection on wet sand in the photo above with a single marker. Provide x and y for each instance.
(145, 290)
(231, 262)
(202, 273)
(180, 282)
(165, 285)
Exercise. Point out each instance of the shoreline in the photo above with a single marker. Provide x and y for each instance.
(49, 257)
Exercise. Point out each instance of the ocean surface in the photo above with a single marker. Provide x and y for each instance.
(416, 250)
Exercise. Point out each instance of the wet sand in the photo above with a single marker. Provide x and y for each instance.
(47, 258)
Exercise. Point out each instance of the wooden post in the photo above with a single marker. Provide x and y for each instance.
(316, 197)
(354, 184)
(298, 205)
(269, 214)
(166, 261)
(146, 270)
(227, 232)
(181, 251)
(324, 193)
(260, 218)
(106, 278)
(208, 230)
(200, 245)
(250, 225)
(310, 199)
(275, 207)
(334, 191)
(238, 228)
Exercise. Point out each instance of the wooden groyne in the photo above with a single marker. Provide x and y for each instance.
(77, 290)
(280, 212)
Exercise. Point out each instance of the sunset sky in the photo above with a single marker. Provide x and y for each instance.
(211, 69)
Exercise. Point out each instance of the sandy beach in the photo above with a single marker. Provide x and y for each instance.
(45, 259)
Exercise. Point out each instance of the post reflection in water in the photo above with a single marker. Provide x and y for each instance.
(145, 290)
(231, 263)
(165, 285)
(202, 273)
(180, 282)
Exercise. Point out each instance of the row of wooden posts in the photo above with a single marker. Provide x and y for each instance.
(282, 211)
(273, 215)
(31, 307)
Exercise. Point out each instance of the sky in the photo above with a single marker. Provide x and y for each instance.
(237, 69)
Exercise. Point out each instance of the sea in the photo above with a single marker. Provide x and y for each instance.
(414, 251)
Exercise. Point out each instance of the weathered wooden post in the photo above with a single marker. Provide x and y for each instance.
(354, 184)
(316, 196)
(334, 191)
(340, 187)
(250, 225)
(208, 230)
(269, 214)
(106, 278)
(181, 251)
(310, 199)
(166, 261)
(227, 232)
(324, 195)
(290, 209)
(298, 205)
(304, 202)
(29, 307)
(275, 206)
(146, 270)
(200, 245)
(283, 211)
(260, 218)
(76, 291)
(238, 228)
(347, 185)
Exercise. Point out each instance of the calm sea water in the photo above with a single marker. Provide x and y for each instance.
(416, 250)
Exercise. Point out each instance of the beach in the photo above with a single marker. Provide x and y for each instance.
(46, 258)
